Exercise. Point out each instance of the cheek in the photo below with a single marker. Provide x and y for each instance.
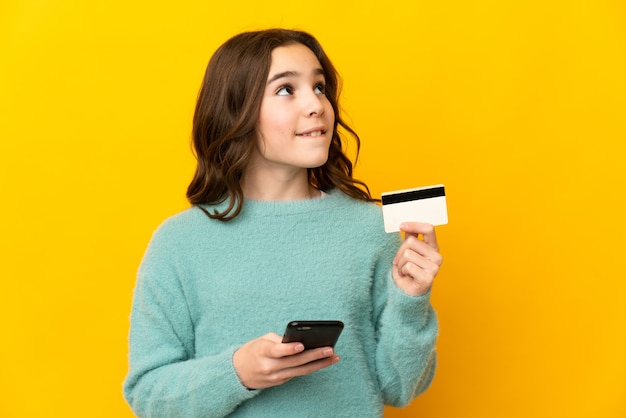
(274, 123)
(330, 113)
(273, 133)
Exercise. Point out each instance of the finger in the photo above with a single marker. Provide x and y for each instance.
(314, 366)
(413, 247)
(419, 268)
(307, 368)
(307, 362)
(413, 280)
(280, 350)
(413, 271)
(272, 336)
(275, 348)
(430, 238)
(416, 228)
(307, 356)
(427, 231)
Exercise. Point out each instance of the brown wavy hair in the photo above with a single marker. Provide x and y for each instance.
(226, 114)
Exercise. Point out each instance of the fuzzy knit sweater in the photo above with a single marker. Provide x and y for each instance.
(206, 287)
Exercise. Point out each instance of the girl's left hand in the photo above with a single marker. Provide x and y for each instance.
(417, 262)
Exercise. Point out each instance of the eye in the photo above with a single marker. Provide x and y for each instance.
(284, 91)
(320, 88)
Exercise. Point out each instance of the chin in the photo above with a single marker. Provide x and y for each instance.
(318, 162)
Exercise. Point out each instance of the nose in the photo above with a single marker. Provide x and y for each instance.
(315, 104)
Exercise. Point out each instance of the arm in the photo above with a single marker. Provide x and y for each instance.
(165, 379)
(406, 323)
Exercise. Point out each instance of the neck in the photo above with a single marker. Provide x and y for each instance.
(278, 186)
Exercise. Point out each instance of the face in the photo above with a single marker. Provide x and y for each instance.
(295, 125)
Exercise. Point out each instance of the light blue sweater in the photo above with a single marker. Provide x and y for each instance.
(206, 287)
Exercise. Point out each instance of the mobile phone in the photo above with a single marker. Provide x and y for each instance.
(313, 334)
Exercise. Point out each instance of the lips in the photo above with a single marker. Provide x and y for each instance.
(313, 133)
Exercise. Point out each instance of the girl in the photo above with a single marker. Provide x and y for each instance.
(279, 230)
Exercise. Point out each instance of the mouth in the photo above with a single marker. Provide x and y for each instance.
(312, 133)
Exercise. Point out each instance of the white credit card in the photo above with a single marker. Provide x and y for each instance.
(422, 204)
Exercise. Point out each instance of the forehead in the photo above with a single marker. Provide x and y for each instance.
(294, 57)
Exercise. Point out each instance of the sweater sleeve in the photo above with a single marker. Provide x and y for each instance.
(406, 331)
(165, 379)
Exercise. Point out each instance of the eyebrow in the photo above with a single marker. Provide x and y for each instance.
(292, 74)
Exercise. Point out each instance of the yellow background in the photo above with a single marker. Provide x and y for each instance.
(518, 107)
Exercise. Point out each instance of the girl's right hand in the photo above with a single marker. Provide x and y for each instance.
(267, 361)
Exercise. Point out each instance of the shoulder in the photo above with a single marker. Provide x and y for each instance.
(367, 211)
(186, 219)
(177, 230)
(357, 217)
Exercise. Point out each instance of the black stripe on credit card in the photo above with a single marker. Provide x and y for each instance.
(413, 195)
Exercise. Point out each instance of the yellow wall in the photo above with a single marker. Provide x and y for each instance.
(518, 107)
